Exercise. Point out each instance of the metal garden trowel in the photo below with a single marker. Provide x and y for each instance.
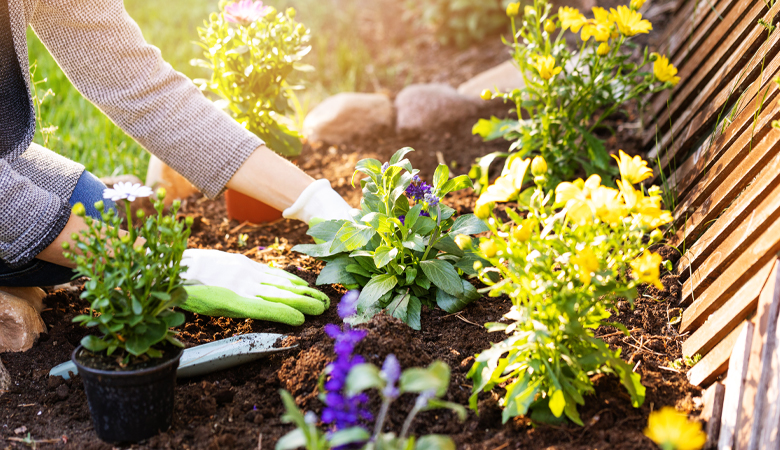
(211, 357)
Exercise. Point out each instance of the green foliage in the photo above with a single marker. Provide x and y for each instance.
(568, 94)
(459, 22)
(132, 290)
(430, 383)
(403, 255)
(254, 67)
(564, 267)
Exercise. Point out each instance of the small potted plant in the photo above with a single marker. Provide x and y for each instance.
(129, 370)
(253, 52)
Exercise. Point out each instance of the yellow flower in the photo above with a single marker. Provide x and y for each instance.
(79, 210)
(538, 166)
(545, 65)
(529, 10)
(629, 22)
(486, 95)
(607, 205)
(577, 198)
(603, 49)
(665, 71)
(463, 241)
(513, 9)
(646, 269)
(633, 170)
(647, 210)
(671, 429)
(504, 189)
(598, 31)
(523, 231)
(488, 248)
(601, 16)
(549, 26)
(587, 263)
(571, 18)
(636, 4)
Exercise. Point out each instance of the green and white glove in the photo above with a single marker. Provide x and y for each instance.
(231, 285)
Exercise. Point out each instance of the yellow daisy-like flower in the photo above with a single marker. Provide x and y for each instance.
(598, 31)
(571, 18)
(634, 170)
(629, 22)
(587, 263)
(504, 189)
(607, 205)
(576, 197)
(646, 269)
(672, 430)
(665, 71)
(545, 65)
(636, 4)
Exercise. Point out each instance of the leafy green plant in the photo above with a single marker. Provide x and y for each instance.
(459, 22)
(132, 288)
(254, 54)
(567, 95)
(400, 247)
(563, 258)
(429, 383)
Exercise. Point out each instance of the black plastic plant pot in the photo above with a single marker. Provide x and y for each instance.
(130, 406)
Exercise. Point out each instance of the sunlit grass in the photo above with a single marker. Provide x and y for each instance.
(86, 135)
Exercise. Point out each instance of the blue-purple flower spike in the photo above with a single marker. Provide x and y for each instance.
(348, 305)
(391, 372)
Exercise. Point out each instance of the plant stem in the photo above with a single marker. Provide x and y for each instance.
(380, 420)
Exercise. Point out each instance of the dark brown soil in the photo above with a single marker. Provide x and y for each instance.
(241, 408)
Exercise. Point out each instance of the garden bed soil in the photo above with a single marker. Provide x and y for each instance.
(240, 408)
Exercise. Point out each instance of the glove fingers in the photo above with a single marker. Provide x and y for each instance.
(268, 270)
(307, 291)
(304, 304)
(221, 302)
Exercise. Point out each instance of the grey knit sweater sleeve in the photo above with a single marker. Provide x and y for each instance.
(102, 51)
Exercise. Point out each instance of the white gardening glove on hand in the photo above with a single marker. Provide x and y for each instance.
(320, 201)
(232, 285)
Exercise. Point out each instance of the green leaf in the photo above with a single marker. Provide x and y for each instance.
(557, 403)
(320, 250)
(443, 275)
(468, 224)
(354, 435)
(456, 184)
(424, 226)
(435, 442)
(326, 230)
(411, 274)
(335, 272)
(493, 128)
(375, 289)
(399, 155)
(398, 308)
(435, 377)
(370, 167)
(440, 176)
(94, 343)
(415, 242)
(412, 215)
(383, 255)
(353, 236)
(453, 304)
(378, 221)
(292, 440)
(447, 244)
(457, 408)
(519, 396)
(358, 270)
(363, 377)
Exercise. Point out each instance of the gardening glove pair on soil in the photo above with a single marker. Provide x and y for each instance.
(320, 201)
(232, 285)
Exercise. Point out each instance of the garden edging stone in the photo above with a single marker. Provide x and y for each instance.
(505, 77)
(343, 117)
(420, 107)
(20, 319)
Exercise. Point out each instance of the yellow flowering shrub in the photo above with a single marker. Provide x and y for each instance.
(567, 94)
(563, 257)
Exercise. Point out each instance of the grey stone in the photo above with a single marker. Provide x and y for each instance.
(505, 77)
(343, 117)
(423, 106)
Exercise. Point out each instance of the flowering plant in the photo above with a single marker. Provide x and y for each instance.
(564, 264)
(349, 377)
(568, 94)
(132, 288)
(672, 430)
(254, 54)
(400, 246)
(459, 22)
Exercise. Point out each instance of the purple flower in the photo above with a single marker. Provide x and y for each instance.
(431, 199)
(402, 219)
(418, 191)
(348, 305)
(424, 398)
(245, 12)
(385, 166)
(342, 410)
(424, 214)
(391, 372)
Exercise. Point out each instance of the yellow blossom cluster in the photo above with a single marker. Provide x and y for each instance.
(605, 24)
(672, 430)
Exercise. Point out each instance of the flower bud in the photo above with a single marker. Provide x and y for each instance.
(513, 9)
(488, 248)
(99, 205)
(291, 13)
(161, 193)
(140, 214)
(486, 95)
(477, 265)
(636, 4)
(549, 26)
(79, 210)
(538, 166)
(656, 235)
(603, 49)
(483, 210)
(66, 245)
(653, 191)
(74, 237)
(176, 204)
(189, 220)
(463, 241)
(125, 239)
(300, 29)
(654, 56)
(522, 232)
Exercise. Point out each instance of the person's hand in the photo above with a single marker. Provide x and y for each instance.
(232, 285)
(319, 201)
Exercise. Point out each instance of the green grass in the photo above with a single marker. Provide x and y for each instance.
(86, 135)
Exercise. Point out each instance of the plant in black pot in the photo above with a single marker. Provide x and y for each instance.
(129, 369)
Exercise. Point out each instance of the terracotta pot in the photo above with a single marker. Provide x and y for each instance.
(244, 208)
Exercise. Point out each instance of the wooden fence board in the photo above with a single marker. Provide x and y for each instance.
(768, 429)
(747, 215)
(712, 412)
(709, 69)
(716, 363)
(721, 155)
(735, 385)
(728, 317)
(752, 400)
(732, 279)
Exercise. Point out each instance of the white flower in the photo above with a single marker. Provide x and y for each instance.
(128, 191)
